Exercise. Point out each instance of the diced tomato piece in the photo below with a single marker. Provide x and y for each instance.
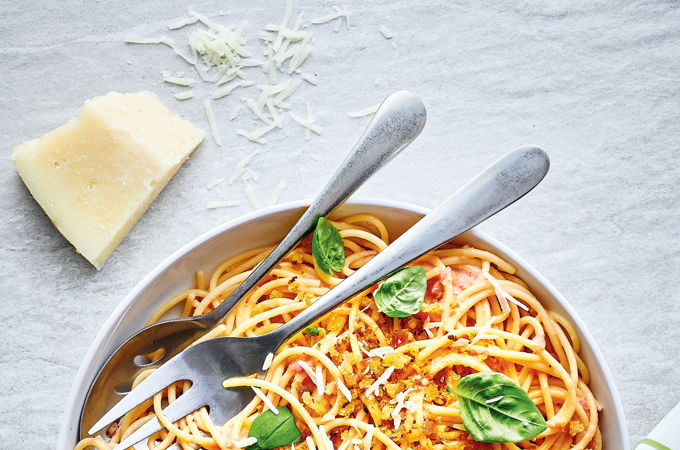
(435, 316)
(435, 288)
(308, 384)
(431, 316)
(111, 430)
(441, 377)
(422, 315)
(399, 338)
(306, 243)
(407, 372)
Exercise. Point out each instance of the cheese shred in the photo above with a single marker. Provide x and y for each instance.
(251, 197)
(210, 114)
(268, 361)
(386, 33)
(184, 95)
(268, 403)
(246, 442)
(186, 82)
(382, 379)
(338, 14)
(278, 191)
(223, 204)
(306, 123)
(228, 89)
(152, 40)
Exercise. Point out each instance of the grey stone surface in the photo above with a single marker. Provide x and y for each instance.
(594, 83)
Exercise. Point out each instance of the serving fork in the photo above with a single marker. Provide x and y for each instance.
(209, 363)
(396, 123)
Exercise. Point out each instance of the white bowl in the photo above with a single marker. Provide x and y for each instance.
(268, 225)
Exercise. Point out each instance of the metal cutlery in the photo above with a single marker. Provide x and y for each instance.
(398, 121)
(207, 364)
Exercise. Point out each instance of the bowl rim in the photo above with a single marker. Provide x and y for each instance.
(72, 408)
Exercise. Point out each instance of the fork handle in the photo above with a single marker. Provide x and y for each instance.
(396, 123)
(497, 187)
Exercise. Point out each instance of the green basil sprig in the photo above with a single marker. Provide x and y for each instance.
(495, 409)
(274, 430)
(402, 294)
(311, 331)
(327, 247)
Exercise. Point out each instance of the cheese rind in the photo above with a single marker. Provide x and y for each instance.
(98, 173)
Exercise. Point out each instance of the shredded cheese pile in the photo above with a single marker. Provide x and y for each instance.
(228, 67)
(219, 55)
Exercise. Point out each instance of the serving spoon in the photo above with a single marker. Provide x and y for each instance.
(396, 123)
(211, 362)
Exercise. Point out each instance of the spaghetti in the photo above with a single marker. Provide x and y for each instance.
(364, 380)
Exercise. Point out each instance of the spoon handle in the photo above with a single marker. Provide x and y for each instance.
(396, 123)
(497, 187)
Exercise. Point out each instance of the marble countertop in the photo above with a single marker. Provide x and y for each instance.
(593, 83)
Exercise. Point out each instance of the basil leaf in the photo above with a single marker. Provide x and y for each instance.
(327, 247)
(495, 409)
(274, 430)
(402, 294)
(312, 331)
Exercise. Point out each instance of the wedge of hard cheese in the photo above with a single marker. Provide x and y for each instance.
(98, 173)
